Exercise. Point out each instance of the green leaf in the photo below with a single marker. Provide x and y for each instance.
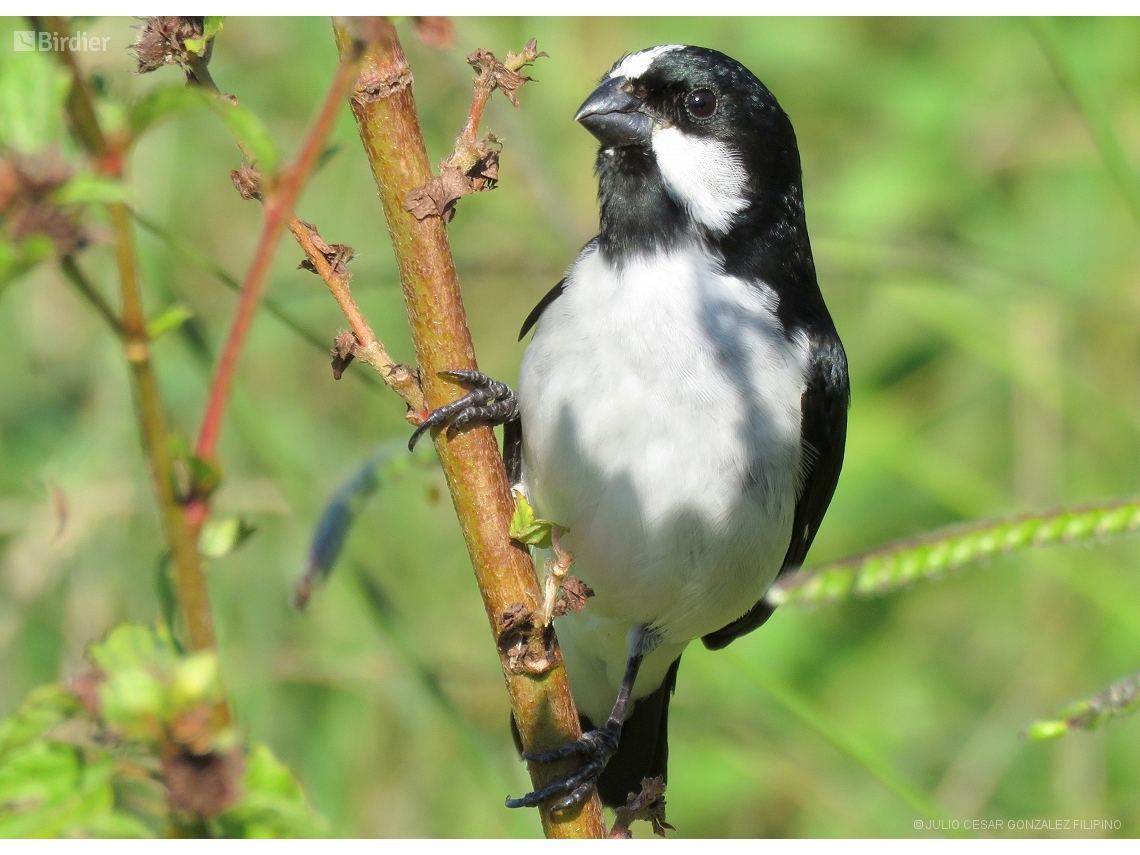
(133, 701)
(58, 790)
(129, 646)
(166, 102)
(167, 596)
(171, 319)
(16, 260)
(88, 189)
(1041, 731)
(42, 710)
(205, 477)
(33, 89)
(273, 804)
(251, 134)
(526, 528)
(211, 26)
(196, 681)
(221, 537)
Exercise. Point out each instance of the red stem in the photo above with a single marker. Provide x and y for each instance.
(279, 203)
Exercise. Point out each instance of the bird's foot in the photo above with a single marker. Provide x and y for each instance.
(489, 401)
(595, 747)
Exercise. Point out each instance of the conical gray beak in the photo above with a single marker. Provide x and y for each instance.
(615, 116)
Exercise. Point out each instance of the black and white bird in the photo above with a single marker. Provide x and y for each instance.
(682, 406)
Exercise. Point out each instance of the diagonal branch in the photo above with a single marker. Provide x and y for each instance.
(365, 346)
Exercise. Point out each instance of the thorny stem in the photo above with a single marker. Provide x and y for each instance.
(190, 582)
(368, 347)
(385, 111)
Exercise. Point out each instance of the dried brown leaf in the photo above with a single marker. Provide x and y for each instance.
(343, 350)
(437, 198)
(649, 805)
(337, 254)
(203, 784)
(26, 208)
(572, 596)
(247, 181)
(162, 41)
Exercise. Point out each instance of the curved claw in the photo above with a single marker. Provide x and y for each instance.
(490, 401)
(581, 780)
(598, 745)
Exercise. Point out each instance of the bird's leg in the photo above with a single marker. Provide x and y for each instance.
(595, 747)
(489, 401)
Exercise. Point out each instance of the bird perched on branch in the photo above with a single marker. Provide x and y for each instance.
(682, 406)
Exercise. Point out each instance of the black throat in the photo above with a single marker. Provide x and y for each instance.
(768, 241)
(638, 216)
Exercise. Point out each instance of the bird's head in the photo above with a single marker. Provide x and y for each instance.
(692, 130)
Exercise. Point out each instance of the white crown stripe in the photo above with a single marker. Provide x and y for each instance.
(636, 64)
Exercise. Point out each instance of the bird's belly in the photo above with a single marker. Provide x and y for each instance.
(664, 434)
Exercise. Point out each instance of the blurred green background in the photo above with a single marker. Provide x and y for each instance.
(983, 270)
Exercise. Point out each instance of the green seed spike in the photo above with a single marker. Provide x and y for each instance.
(1120, 699)
(896, 565)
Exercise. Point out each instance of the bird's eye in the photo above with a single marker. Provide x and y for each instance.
(701, 103)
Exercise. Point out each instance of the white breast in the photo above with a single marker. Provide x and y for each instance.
(661, 422)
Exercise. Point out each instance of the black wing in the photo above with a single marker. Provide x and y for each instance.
(823, 409)
(512, 430)
(535, 313)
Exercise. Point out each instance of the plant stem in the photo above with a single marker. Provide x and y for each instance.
(386, 116)
(368, 348)
(281, 195)
(90, 293)
(190, 581)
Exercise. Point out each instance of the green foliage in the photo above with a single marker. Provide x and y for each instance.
(526, 527)
(273, 804)
(250, 132)
(170, 319)
(165, 102)
(98, 768)
(220, 537)
(89, 189)
(32, 90)
(211, 26)
(897, 565)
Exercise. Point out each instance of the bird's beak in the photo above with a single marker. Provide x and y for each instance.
(615, 116)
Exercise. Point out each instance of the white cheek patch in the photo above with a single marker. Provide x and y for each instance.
(706, 176)
(636, 64)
